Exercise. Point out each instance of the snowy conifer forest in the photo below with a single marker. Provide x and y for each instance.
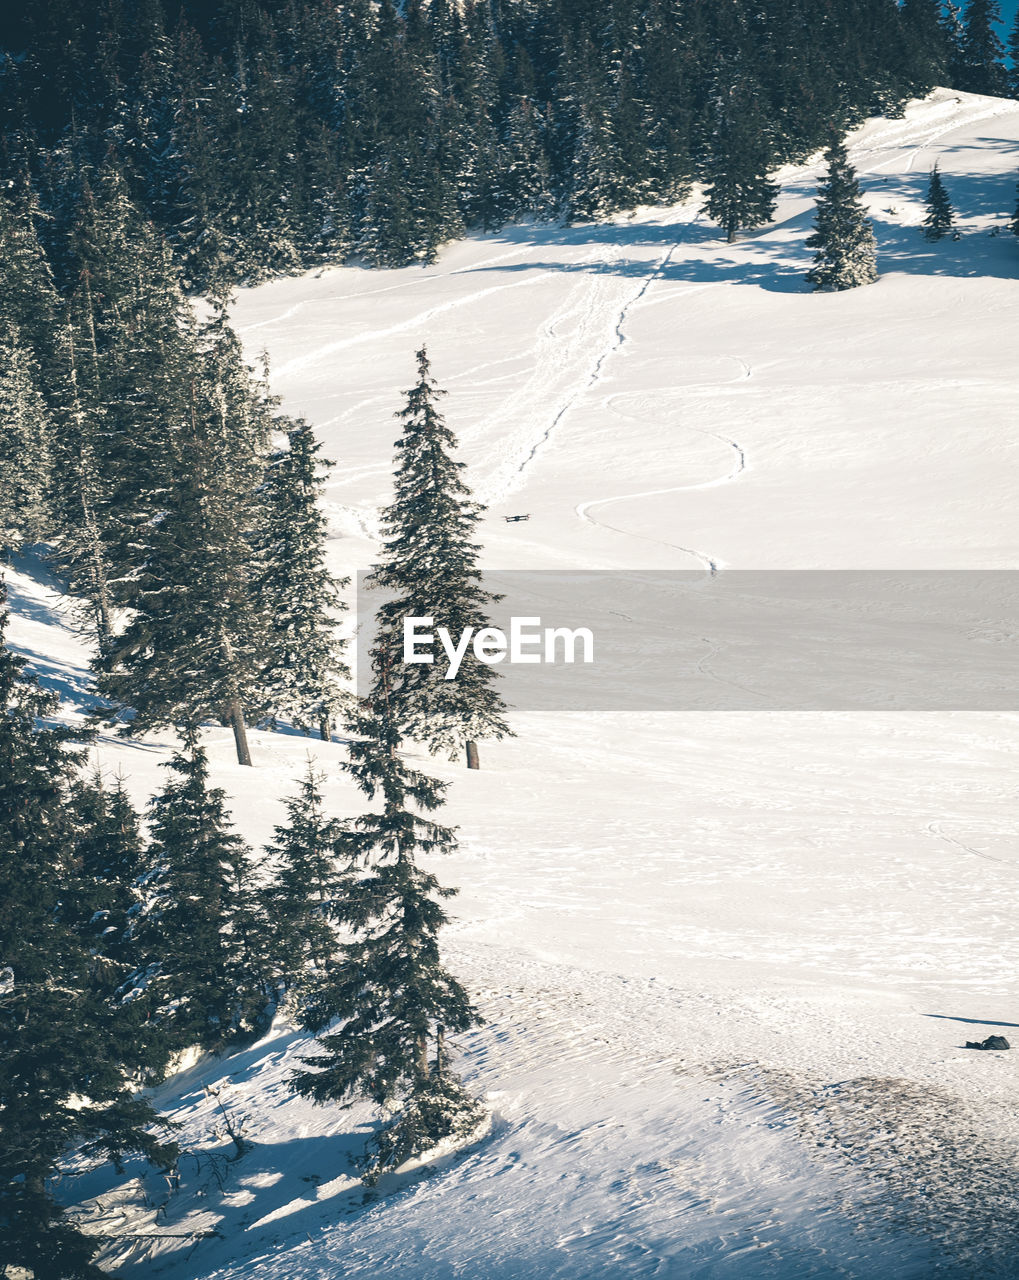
(688, 324)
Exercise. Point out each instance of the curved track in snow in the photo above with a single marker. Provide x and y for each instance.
(711, 565)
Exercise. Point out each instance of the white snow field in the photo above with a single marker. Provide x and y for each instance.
(728, 960)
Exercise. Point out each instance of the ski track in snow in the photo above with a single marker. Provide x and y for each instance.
(425, 278)
(712, 566)
(935, 829)
(589, 312)
(899, 135)
(619, 337)
(318, 355)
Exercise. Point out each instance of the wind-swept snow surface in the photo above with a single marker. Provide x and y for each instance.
(728, 961)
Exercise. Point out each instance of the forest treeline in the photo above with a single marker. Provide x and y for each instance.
(124, 942)
(265, 136)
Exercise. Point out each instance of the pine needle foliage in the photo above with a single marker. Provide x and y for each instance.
(203, 940)
(303, 900)
(302, 664)
(25, 461)
(390, 996)
(940, 218)
(430, 568)
(846, 251)
(67, 1044)
(740, 195)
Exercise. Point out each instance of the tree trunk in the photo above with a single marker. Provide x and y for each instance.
(101, 606)
(325, 729)
(422, 1055)
(472, 756)
(236, 716)
(440, 1049)
(731, 238)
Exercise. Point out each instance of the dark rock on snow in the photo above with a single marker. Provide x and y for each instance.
(992, 1042)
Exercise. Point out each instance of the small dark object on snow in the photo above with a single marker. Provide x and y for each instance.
(992, 1042)
(514, 519)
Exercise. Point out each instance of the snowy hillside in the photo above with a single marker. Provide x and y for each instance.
(728, 961)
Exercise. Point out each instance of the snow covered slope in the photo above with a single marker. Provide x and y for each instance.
(728, 960)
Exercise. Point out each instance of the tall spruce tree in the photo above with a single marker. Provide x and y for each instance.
(981, 69)
(125, 355)
(301, 663)
(846, 251)
(203, 941)
(29, 302)
(79, 499)
(593, 176)
(393, 1001)
(740, 195)
(304, 897)
(191, 649)
(940, 218)
(67, 1049)
(952, 33)
(1013, 58)
(110, 856)
(430, 565)
(25, 465)
(929, 52)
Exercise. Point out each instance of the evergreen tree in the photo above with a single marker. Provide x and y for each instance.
(29, 303)
(125, 354)
(846, 251)
(304, 897)
(191, 650)
(740, 194)
(323, 229)
(929, 50)
(256, 124)
(79, 498)
(66, 1043)
(430, 564)
(940, 219)
(110, 856)
(952, 33)
(392, 999)
(526, 179)
(469, 61)
(1012, 70)
(301, 662)
(24, 447)
(592, 179)
(202, 940)
(981, 68)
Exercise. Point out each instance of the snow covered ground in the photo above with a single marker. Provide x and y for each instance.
(727, 960)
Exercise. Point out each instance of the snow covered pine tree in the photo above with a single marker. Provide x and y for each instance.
(739, 194)
(843, 238)
(301, 662)
(67, 1048)
(203, 939)
(430, 563)
(940, 219)
(393, 999)
(302, 900)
